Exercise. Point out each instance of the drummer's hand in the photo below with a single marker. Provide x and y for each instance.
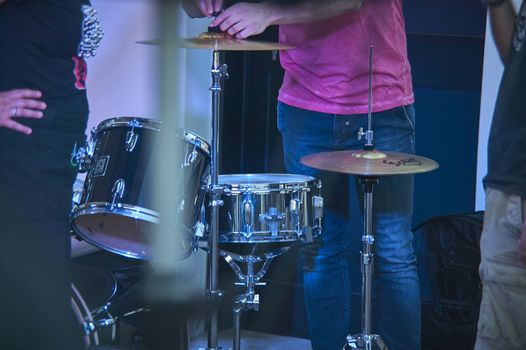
(205, 8)
(20, 103)
(522, 244)
(244, 19)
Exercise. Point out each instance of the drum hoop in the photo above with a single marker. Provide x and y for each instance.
(256, 237)
(113, 250)
(83, 315)
(236, 188)
(155, 125)
(122, 209)
(107, 272)
(197, 141)
(139, 122)
(108, 248)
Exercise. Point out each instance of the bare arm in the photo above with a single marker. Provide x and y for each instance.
(246, 19)
(502, 20)
(310, 10)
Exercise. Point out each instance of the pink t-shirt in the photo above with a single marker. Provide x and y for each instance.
(328, 71)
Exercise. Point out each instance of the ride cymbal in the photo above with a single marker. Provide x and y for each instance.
(219, 42)
(369, 163)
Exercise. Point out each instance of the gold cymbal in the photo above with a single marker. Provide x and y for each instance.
(220, 42)
(369, 163)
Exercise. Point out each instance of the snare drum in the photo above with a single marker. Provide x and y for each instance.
(116, 210)
(265, 208)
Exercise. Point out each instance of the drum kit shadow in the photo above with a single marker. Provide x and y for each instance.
(116, 213)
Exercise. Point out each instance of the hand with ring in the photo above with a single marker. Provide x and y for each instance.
(22, 103)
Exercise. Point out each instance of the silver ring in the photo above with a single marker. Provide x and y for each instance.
(13, 111)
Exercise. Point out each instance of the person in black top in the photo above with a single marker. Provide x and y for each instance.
(43, 114)
(502, 317)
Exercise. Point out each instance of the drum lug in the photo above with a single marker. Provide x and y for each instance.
(317, 204)
(117, 191)
(132, 136)
(295, 209)
(317, 213)
(131, 140)
(247, 210)
(272, 218)
(190, 157)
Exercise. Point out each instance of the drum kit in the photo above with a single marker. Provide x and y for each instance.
(116, 213)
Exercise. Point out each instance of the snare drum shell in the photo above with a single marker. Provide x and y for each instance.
(254, 203)
(122, 160)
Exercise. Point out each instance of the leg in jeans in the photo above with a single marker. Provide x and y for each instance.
(397, 303)
(326, 271)
(502, 317)
(35, 201)
(327, 288)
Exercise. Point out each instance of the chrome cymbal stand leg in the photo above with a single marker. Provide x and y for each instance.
(219, 73)
(366, 340)
(248, 300)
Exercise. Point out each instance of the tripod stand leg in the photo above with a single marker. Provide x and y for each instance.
(238, 309)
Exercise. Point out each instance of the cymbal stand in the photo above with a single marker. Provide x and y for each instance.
(369, 133)
(219, 74)
(248, 300)
(365, 340)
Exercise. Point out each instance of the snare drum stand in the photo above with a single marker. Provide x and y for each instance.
(219, 73)
(249, 300)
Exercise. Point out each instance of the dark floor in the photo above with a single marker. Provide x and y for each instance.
(251, 340)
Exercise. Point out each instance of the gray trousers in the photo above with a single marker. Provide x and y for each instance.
(502, 321)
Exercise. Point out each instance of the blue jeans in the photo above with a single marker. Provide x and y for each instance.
(326, 267)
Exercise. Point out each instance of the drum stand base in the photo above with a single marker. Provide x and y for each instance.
(362, 341)
(248, 300)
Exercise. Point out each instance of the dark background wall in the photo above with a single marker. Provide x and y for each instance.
(445, 45)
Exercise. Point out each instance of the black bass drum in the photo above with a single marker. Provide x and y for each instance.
(110, 300)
